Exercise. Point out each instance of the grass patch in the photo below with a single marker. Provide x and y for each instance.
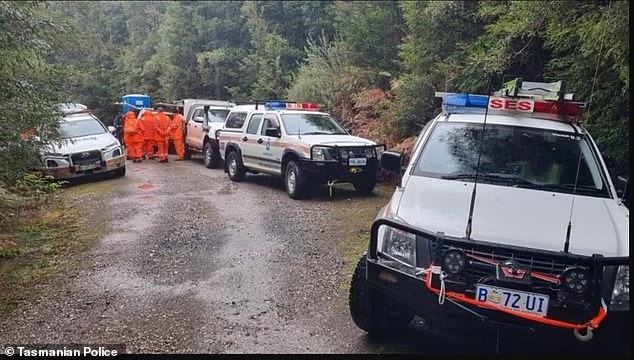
(356, 219)
(38, 245)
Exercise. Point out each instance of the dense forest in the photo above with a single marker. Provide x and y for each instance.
(375, 65)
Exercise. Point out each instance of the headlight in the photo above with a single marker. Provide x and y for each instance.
(369, 153)
(621, 292)
(111, 146)
(320, 154)
(343, 153)
(398, 245)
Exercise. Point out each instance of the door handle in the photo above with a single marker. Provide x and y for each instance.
(245, 138)
(260, 141)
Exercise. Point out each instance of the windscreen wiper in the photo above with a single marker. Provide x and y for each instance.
(490, 177)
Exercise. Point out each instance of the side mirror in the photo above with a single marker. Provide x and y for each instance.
(274, 132)
(198, 119)
(112, 129)
(393, 161)
(624, 191)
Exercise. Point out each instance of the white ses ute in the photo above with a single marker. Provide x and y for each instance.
(86, 147)
(504, 215)
(299, 143)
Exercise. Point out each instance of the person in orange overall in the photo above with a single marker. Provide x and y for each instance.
(176, 134)
(134, 128)
(162, 134)
(127, 140)
(149, 123)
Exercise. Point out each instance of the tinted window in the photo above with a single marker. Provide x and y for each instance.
(270, 121)
(198, 115)
(235, 120)
(512, 156)
(254, 124)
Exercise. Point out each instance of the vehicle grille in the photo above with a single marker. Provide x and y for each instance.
(86, 157)
(562, 305)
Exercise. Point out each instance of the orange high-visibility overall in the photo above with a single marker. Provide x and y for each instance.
(176, 134)
(162, 135)
(149, 122)
(135, 129)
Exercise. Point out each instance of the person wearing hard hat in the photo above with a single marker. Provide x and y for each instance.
(149, 123)
(135, 138)
(176, 134)
(162, 134)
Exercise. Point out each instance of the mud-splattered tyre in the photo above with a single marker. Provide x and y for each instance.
(211, 158)
(365, 183)
(234, 167)
(295, 181)
(119, 172)
(371, 311)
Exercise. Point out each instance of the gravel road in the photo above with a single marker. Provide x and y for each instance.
(194, 263)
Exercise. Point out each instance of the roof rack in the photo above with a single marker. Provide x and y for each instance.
(537, 90)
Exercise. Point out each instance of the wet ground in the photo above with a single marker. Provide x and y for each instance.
(194, 263)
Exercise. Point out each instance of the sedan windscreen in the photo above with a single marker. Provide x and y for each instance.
(78, 128)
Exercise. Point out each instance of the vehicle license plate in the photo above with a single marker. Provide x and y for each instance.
(357, 161)
(526, 302)
(87, 166)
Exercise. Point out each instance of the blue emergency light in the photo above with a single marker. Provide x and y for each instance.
(465, 103)
(275, 105)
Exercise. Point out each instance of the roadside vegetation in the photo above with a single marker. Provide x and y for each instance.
(37, 234)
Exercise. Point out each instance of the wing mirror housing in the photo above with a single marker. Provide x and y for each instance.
(274, 132)
(624, 191)
(394, 162)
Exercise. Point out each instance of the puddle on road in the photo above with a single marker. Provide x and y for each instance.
(146, 198)
(139, 169)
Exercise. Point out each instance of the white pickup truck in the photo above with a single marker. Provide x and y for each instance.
(202, 118)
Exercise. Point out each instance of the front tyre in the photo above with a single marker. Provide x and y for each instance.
(234, 167)
(212, 157)
(294, 181)
(372, 311)
(365, 182)
(120, 171)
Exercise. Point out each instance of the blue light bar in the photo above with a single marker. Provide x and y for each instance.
(465, 103)
(275, 105)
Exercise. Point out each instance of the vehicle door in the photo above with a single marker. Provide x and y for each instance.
(195, 129)
(270, 144)
(251, 156)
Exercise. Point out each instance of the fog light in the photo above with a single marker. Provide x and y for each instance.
(454, 261)
(575, 280)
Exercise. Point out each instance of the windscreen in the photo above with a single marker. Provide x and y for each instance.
(217, 115)
(311, 124)
(78, 128)
(514, 156)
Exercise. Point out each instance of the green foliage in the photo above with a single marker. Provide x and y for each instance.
(38, 187)
(331, 52)
(371, 31)
(327, 77)
(28, 85)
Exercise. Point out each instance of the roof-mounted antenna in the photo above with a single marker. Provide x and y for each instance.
(475, 181)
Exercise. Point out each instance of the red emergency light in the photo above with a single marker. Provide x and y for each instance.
(302, 106)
